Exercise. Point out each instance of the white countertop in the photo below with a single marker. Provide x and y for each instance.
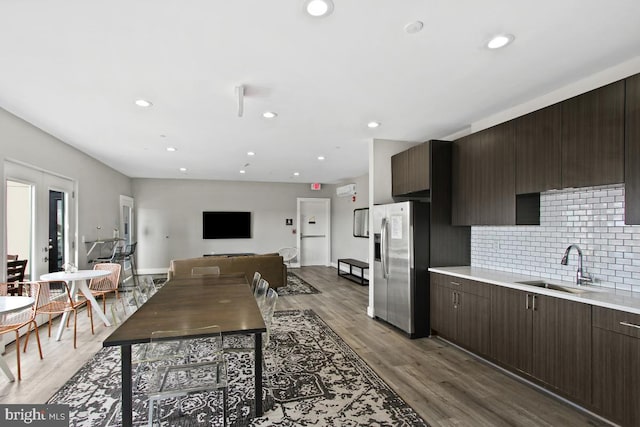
(596, 295)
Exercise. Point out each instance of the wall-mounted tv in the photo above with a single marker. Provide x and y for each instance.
(226, 225)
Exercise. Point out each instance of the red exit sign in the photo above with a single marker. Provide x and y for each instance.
(316, 186)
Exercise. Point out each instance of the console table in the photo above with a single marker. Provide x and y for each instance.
(361, 265)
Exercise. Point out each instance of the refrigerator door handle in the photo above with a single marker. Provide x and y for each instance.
(384, 248)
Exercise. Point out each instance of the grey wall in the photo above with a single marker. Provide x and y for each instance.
(98, 186)
(343, 244)
(169, 217)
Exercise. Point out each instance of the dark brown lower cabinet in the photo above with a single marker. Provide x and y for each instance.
(616, 365)
(460, 311)
(544, 337)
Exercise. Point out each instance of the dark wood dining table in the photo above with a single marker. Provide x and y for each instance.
(184, 304)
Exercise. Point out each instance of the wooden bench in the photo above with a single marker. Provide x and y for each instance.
(361, 265)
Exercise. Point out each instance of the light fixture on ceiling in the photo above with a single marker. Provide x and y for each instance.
(320, 157)
(240, 95)
(414, 27)
(318, 8)
(183, 170)
(373, 125)
(250, 153)
(143, 103)
(500, 40)
(296, 174)
(269, 115)
(172, 149)
(243, 171)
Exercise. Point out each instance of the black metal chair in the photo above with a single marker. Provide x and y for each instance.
(122, 255)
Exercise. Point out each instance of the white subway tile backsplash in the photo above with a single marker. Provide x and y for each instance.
(592, 217)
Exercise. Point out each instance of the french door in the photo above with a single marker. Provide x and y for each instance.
(46, 218)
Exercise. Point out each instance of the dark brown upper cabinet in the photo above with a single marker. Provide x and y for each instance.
(484, 177)
(538, 150)
(410, 170)
(399, 173)
(593, 137)
(632, 151)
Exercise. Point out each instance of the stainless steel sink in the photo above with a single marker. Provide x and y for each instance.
(553, 286)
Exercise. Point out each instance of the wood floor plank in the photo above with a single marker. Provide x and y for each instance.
(445, 385)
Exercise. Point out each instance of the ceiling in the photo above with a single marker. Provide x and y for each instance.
(75, 68)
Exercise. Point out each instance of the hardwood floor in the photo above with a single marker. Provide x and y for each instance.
(443, 384)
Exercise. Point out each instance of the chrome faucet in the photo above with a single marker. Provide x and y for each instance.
(581, 276)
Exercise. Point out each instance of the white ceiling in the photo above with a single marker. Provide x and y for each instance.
(74, 69)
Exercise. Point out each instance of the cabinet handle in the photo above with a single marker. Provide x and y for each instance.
(455, 283)
(453, 299)
(526, 301)
(533, 306)
(633, 325)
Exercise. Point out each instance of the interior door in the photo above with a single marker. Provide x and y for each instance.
(314, 231)
(44, 189)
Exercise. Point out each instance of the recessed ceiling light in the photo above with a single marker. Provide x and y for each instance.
(413, 27)
(318, 8)
(183, 169)
(296, 174)
(269, 115)
(373, 125)
(143, 103)
(250, 153)
(320, 157)
(501, 40)
(171, 149)
(243, 171)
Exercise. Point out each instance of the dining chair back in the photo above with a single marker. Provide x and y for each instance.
(101, 286)
(13, 322)
(256, 279)
(195, 370)
(267, 309)
(213, 270)
(15, 273)
(261, 292)
(59, 302)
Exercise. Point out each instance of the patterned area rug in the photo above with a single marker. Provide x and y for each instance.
(296, 286)
(312, 377)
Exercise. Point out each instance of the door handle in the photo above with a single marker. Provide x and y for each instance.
(533, 306)
(526, 301)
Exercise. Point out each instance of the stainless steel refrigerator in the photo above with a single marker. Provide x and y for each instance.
(401, 261)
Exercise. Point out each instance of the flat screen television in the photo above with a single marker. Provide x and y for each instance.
(226, 225)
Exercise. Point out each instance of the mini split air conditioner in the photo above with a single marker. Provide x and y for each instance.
(346, 190)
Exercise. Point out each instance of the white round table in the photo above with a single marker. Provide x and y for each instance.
(10, 304)
(78, 281)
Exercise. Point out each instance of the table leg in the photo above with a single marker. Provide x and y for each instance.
(84, 288)
(65, 315)
(258, 373)
(127, 389)
(5, 368)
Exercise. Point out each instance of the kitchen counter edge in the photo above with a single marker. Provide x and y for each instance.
(599, 296)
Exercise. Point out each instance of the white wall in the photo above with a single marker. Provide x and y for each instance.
(380, 167)
(99, 186)
(169, 217)
(343, 243)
